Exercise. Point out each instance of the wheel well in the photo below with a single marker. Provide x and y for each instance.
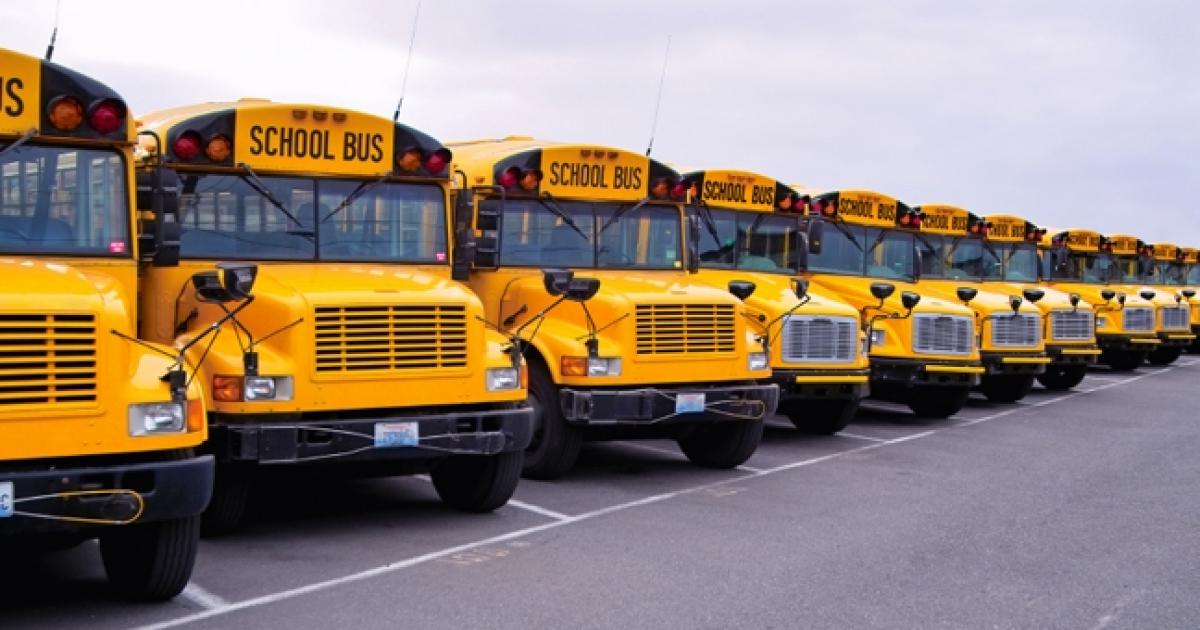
(533, 357)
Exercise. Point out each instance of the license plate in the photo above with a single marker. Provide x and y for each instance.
(7, 498)
(396, 434)
(689, 403)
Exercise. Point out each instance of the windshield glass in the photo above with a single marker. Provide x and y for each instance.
(1020, 261)
(1085, 267)
(1171, 273)
(60, 200)
(1126, 269)
(552, 233)
(224, 216)
(972, 259)
(841, 250)
(755, 241)
(890, 254)
(1193, 275)
(930, 248)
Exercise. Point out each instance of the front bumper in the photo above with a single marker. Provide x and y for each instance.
(367, 439)
(912, 373)
(822, 384)
(70, 498)
(661, 405)
(1073, 355)
(1143, 343)
(1014, 363)
(1176, 339)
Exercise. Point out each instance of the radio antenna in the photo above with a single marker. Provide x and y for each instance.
(412, 40)
(54, 33)
(658, 99)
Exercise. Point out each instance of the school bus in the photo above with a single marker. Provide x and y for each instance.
(98, 429)
(1191, 282)
(1165, 271)
(954, 257)
(359, 350)
(1136, 262)
(750, 233)
(1081, 261)
(923, 349)
(641, 347)
(1069, 326)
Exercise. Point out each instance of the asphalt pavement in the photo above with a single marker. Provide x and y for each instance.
(1067, 510)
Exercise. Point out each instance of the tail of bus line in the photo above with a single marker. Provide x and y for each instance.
(1191, 288)
(1160, 269)
(641, 349)
(356, 350)
(751, 244)
(98, 429)
(923, 350)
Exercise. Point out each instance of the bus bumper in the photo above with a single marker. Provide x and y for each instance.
(1144, 343)
(891, 373)
(822, 384)
(1012, 363)
(669, 405)
(1072, 355)
(67, 498)
(413, 436)
(1179, 339)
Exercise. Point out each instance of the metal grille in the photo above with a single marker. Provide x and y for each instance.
(47, 359)
(1018, 330)
(819, 339)
(1071, 325)
(383, 337)
(1138, 318)
(685, 328)
(1176, 317)
(943, 334)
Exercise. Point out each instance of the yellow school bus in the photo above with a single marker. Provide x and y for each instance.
(923, 349)
(358, 348)
(1136, 261)
(955, 261)
(635, 346)
(1191, 282)
(750, 233)
(1069, 326)
(1081, 261)
(97, 428)
(1166, 272)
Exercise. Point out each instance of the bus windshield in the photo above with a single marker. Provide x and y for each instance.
(1171, 273)
(890, 254)
(863, 251)
(558, 233)
(1090, 268)
(64, 200)
(841, 250)
(930, 248)
(1126, 270)
(754, 241)
(301, 218)
(972, 259)
(1020, 261)
(1193, 275)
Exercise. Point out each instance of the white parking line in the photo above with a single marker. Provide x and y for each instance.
(202, 597)
(675, 454)
(537, 509)
(400, 565)
(855, 436)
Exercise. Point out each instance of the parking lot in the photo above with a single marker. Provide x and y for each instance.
(1074, 510)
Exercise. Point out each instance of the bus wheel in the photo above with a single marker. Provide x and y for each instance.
(477, 483)
(227, 508)
(1164, 356)
(1007, 388)
(1123, 360)
(152, 561)
(821, 417)
(555, 444)
(722, 444)
(1059, 378)
(937, 401)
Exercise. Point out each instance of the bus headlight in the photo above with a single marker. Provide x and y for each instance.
(591, 366)
(1101, 322)
(756, 361)
(156, 418)
(503, 379)
(268, 388)
(878, 337)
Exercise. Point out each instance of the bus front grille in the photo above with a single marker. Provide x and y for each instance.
(1176, 317)
(47, 359)
(1071, 325)
(1017, 330)
(668, 329)
(1138, 319)
(390, 337)
(943, 334)
(819, 339)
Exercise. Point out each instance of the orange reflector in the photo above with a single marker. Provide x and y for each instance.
(195, 416)
(217, 149)
(410, 160)
(524, 377)
(339, 117)
(574, 366)
(66, 113)
(227, 388)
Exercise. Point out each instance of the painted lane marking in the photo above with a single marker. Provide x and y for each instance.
(202, 597)
(855, 436)
(537, 509)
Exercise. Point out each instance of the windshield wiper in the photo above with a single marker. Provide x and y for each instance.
(18, 142)
(362, 189)
(853, 241)
(548, 202)
(251, 178)
(620, 213)
(709, 224)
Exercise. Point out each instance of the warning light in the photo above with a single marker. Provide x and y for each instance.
(187, 146)
(410, 160)
(66, 113)
(510, 177)
(107, 116)
(217, 148)
(436, 163)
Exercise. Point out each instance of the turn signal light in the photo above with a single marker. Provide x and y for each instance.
(195, 416)
(66, 113)
(227, 388)
(574, 366)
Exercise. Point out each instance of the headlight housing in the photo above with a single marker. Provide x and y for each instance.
(1101, 322)
(157, 418)
(591, 366)
(503, 379)
(756, 361)
(252, 388)
(878, 337)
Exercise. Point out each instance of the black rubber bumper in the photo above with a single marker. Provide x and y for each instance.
(64, 498)
(890, 373)
(477, 432)
(995, 364)
(808, 384)
(1126, 342)
(1061, 355)
(657, 405)
(1180, 339)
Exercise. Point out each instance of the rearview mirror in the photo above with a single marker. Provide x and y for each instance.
(816, 230)
(741, 289)
(882, 290)
(910, 299)
(1108, 294)
(1033, 295)
(966, 294)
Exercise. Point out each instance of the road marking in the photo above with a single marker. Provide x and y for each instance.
(537, 509)
(653, 449)
(400, 565)
(202, 597)
(855, 436)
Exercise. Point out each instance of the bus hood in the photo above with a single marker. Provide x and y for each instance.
(1053, 299)
(41, 285)
(990, 299)
(347, 283)
(858, 291)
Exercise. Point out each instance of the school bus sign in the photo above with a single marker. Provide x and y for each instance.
(20, 93)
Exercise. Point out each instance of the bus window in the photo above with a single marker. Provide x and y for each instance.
(718, 250)
(841, 250)
(930, 248)
(890, 254)
(1193, 275)
(1020, 262)
(647, 237)
(533, 235)
(222, 216)
(388, 222)
(1171, 273)
(768, 243)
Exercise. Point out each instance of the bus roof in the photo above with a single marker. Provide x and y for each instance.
(57, 102)
(1074, 239)
(294, 138)
(857, 206)
(526, 166)
(1124, 244)
(948, 220)
(1010, 228)
(740, 190)
(1166, 252)
(1190, 254)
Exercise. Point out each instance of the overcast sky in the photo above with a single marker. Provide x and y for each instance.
(1069, 113)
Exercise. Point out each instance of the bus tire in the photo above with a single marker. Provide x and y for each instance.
(821, 417)
(555, 444)
(1164, 356)
(1059, 378)
(230, 497)
(722, 444)
(937, 402)
(1007, 388)
(1123, 360)
(151, 562)
(477, 483)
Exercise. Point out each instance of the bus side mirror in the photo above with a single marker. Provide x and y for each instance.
(741, 289)
(966, 294)
(1121, 299)
(800, 287)
(1014, 302)
(582, 289)
(910, 299)
(464, 236)
(882, 290)
(693, 243)
(238, 278)
(1189, 293)
(158, 193)
(1033, 295)
(1074, 300)
(1108, 294)
(916, 263)
(816, 230)
(556, 281)
(1147, 294)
